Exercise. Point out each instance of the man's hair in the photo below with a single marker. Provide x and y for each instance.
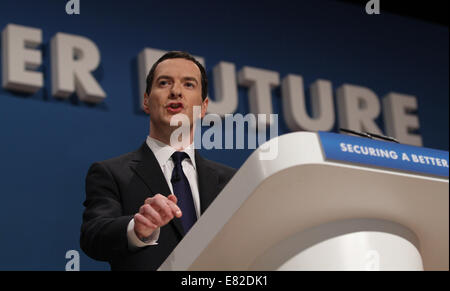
(178, 55)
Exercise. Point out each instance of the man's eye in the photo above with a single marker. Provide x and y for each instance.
(190, 85)
(163, 83)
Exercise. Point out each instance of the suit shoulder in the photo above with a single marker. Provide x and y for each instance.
(119, 159)
(116, 162)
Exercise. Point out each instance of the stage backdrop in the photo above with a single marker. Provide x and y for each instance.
(381, 73)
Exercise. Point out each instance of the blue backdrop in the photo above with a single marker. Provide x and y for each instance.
(48, 144)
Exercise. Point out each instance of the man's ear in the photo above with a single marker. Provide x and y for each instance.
(205, 106)
(146, 104)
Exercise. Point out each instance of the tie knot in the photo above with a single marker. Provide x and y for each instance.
(178, 157)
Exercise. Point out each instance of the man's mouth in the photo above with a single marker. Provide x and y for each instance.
(174, 107)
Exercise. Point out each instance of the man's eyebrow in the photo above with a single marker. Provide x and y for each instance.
(190, 79)
(187, 78)
(164, 77)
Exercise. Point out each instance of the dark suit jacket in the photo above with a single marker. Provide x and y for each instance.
(116, 188)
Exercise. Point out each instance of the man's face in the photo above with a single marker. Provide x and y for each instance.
(176, 88)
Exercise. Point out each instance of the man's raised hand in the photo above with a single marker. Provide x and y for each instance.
(156, 212)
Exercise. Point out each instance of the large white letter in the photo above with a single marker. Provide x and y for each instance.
(180, 137)
(260, 83)
(19, 59)
(146, 58)
(74, 263)
(73, 57)
(358, 107)
(240, 121)
(294, 106)
(225, 90)
(215, 131)
(398, 123)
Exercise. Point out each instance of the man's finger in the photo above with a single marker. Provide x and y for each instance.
(175, 209)
(173, 198)
(153, 215)
(149, 200)
(173, 204)
(140, 219)
(163, 208)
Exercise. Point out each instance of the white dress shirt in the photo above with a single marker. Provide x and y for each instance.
(163, 155)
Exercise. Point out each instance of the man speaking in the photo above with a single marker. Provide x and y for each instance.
(139, 205)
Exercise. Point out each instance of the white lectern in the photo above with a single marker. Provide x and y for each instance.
(302, 212)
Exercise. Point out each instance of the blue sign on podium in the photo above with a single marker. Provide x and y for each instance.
(384, 154)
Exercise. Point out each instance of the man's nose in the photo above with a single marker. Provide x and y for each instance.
(175, 91)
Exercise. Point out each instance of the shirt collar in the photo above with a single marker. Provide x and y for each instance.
(163, 152)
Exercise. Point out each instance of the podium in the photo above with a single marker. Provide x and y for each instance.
(301, 210)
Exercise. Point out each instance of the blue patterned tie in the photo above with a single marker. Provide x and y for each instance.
(183, 192)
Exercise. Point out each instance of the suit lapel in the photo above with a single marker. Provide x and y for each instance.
(147, 168)
(208, 180)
